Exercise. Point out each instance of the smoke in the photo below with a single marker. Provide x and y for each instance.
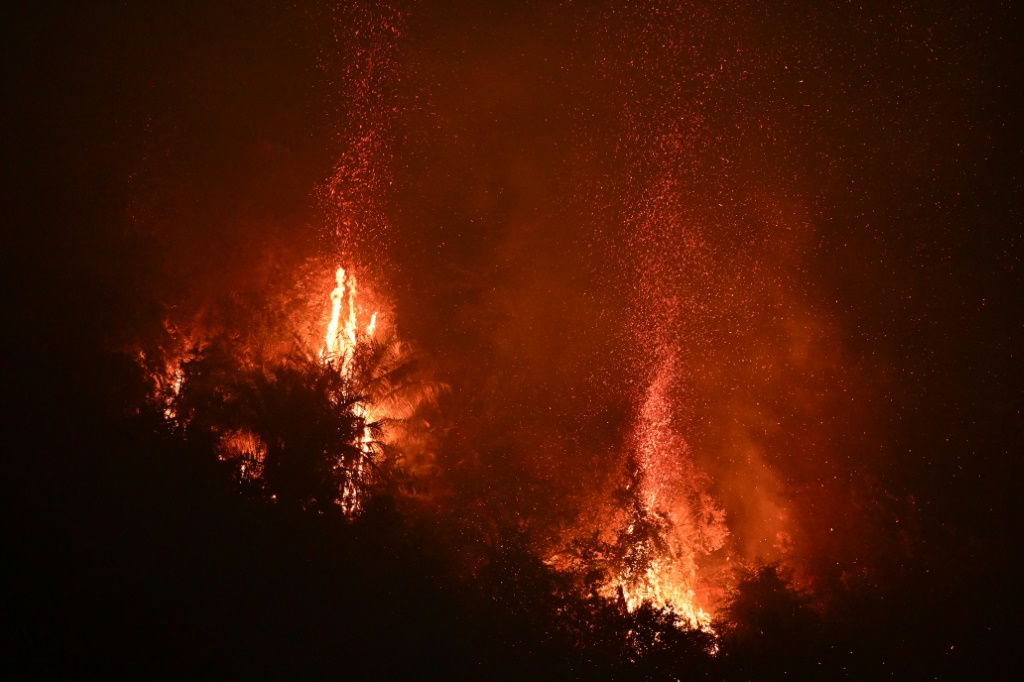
(563, 202)
(580, 200)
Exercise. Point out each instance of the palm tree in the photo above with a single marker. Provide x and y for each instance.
(306, 432)
(399, 395)
(316, 438)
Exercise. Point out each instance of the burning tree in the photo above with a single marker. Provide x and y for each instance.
(311, 427)
(294, 427)
(657, 525)
(668, 518)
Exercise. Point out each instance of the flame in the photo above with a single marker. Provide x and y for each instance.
(245, 447)
(670, 490)
(340, 345)
(176, 375)
(340, 342)
(378, 371)
(337, 296)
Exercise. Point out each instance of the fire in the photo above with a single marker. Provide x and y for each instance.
(341, 343)
(210, 377)
(166, 370)
(671, 519)
(386, 377)
(247, 449)
(176, 377)
(665, 520)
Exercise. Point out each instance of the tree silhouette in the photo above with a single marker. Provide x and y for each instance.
(399, 394)
(313, 433)
(768, 624)
(307, 441)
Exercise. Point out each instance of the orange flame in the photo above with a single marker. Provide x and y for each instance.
(340, 344)
(670, 488)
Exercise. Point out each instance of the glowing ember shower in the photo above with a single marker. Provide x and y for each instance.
(671, 520)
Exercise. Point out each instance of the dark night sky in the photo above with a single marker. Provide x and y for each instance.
(817, 210)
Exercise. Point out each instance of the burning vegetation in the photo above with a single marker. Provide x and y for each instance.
(305, 424)
(311, 399)
(320, 429)
(608, 340)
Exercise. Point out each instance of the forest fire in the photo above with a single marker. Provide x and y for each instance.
(672, 519)
(664, 519)
(373, 386)
(341, 346)
(340, 342)
(530, 340)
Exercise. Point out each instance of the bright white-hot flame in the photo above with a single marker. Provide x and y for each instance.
(350, 327)
(341, 341)
(177, 375)
(340, 345)
(337, 296)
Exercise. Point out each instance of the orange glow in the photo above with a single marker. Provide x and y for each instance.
(248, 449)
(377, 368)
(332, 339)
(340, 348)
(340, 342)
(689, 523)
(177, 376)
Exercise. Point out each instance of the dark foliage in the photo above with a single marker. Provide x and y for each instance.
(132, 550)
(302, 411)
(764, 617)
